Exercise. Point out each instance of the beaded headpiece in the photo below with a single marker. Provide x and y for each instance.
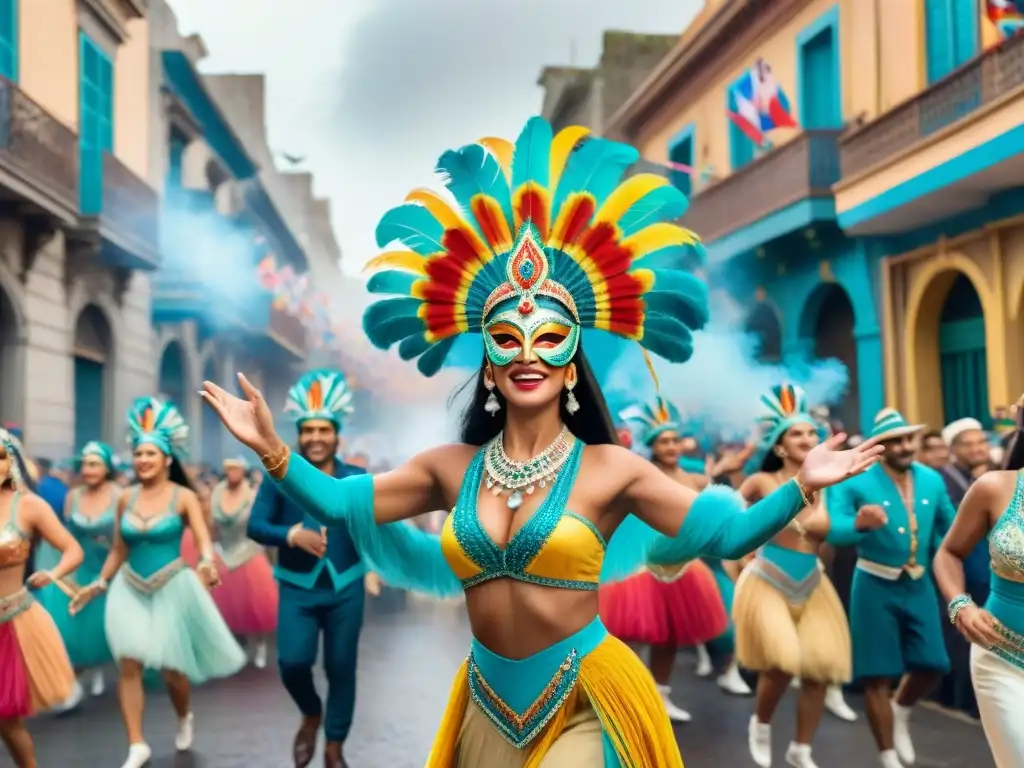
(18, 469)
(654, 419)
(99, 450)
(544, 240)
(322, 394)
(158, 423)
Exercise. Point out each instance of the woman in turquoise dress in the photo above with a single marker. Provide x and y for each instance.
(159, 614)
(89, 515)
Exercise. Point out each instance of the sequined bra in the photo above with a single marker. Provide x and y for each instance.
(555, 547)
(153, 542)
(15, 544)
(1006, 541)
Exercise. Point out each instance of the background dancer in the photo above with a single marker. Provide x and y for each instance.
(994, 509)
(665, 607)
(35, 672)
(89, 516)
(789, 619)
(159, 615)
(893, 619)
(320, 575)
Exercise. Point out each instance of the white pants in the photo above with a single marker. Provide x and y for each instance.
(999, 688)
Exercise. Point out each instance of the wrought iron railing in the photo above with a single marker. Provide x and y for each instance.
(35, 145)
(288, 328)
(992, 75)
(805, 167)
(130, 205)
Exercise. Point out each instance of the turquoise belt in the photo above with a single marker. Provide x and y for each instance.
(521, 696)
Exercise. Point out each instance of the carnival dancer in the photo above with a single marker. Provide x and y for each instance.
(893, 618)
(320, 575)
(35, 672)
(994, 508)
(89, 516)
(789, 620)
(664, 607)
(544, 242)
(159, 614)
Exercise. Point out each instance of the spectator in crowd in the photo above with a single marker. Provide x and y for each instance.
(933, 451)
(51, 487)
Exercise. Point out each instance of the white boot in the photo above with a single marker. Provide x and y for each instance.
(732, 682)
(138, 755)
(183, 739)
(836, 704)
(889, 759)
(674, 713)
(799, 756)
(901, 733)
(98, 684)
(759, 739)
(704, 667)
(259, 658)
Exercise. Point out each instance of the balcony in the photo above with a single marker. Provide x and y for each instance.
(38, 157)
(179, 296)
(273, 331)
(779, 192)
(969, 112)
(120, 213)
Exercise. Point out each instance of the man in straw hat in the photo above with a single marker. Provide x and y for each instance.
(895, 627)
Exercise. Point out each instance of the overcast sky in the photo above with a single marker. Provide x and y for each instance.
(372, 91)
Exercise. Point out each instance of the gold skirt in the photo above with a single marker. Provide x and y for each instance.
(809, 639)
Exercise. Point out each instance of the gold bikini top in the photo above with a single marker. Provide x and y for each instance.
(15, 544)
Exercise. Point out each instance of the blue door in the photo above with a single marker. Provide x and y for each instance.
(9, 39)
(96, 117)
(682, 152)
(962, 355)
(820, 105)
(89, 401)
(951, 35)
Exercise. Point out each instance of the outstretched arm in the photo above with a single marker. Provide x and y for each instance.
(44, 520)
(970, 525)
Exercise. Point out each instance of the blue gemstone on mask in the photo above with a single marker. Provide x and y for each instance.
(526, 269)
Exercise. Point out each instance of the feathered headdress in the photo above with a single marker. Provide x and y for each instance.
(320, 394)
(782, 407)
(543, 220)
(654, 418)
(160, 424)
(101, 451)
(19, 471)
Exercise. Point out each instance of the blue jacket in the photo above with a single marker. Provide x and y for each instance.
(273, 515)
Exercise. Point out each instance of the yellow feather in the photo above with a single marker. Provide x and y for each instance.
(561, 147)
(404, 260)
(437, 205)
(657, 236)
(503, 150)
(628, 193)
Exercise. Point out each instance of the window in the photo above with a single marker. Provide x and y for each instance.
(951, 35)
(9, 39)
(818, 74)
(96, 121)
(680, 150)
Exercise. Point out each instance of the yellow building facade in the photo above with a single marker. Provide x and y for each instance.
(884, 226)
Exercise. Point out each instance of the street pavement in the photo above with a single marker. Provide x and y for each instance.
(408, 656)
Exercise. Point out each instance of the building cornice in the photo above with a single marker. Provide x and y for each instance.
(110, 20)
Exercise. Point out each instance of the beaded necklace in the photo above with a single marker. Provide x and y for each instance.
(505, 475)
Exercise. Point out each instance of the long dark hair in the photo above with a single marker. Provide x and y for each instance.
(1013, 459)
(177, 474)
(592, 423)
(772, 462)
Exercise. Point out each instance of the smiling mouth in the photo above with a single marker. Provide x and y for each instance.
(527, 380)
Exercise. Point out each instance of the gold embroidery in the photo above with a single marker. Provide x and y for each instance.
(539, 704)
(158, 580)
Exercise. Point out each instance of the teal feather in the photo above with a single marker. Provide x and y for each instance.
(660, 204)
(680, 295)
(432, 360)
(531, 160)
(413, 226)
(473, 171)
(392, 281)
(388, 321)
(627, 550)
(412, 347)
(596, 167)
(676, 258)
(667, 337)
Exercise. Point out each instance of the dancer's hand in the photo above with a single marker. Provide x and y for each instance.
(208, 574)
(249, 420)
(313, 542)
(83, 597)
(870, 517)
(40, 579)
(825, 465)
(978, 626)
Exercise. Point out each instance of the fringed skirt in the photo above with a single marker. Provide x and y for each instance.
(799, 628)
(586, 702)
(168, 621)
(679, 606)
(35, 672)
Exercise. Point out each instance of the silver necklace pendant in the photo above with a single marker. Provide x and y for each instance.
(515, 500)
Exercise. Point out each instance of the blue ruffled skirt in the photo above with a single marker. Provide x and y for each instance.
(177, 627)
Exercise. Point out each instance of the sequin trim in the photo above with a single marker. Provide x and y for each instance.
(1013, 650)
(796, 592)
(14, 605)
(154, 583)
(1006, 541)
(667, 574)
(519, 729)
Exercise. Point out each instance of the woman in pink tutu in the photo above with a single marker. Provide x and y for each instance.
(667, 605)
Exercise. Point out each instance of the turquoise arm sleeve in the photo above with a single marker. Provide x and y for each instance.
(719, 525)
(401, 554)
(841, 503)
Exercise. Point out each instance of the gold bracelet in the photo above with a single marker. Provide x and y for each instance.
(276, 466)
(808, 497)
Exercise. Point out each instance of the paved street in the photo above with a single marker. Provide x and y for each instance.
(408, 658)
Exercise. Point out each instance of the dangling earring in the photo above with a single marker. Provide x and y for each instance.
(571, 403)
(491, 405)
(780, 452)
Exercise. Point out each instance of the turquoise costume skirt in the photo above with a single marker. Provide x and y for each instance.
(170, 623)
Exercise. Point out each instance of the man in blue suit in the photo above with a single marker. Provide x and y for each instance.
(320, 576)
(896, 630)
